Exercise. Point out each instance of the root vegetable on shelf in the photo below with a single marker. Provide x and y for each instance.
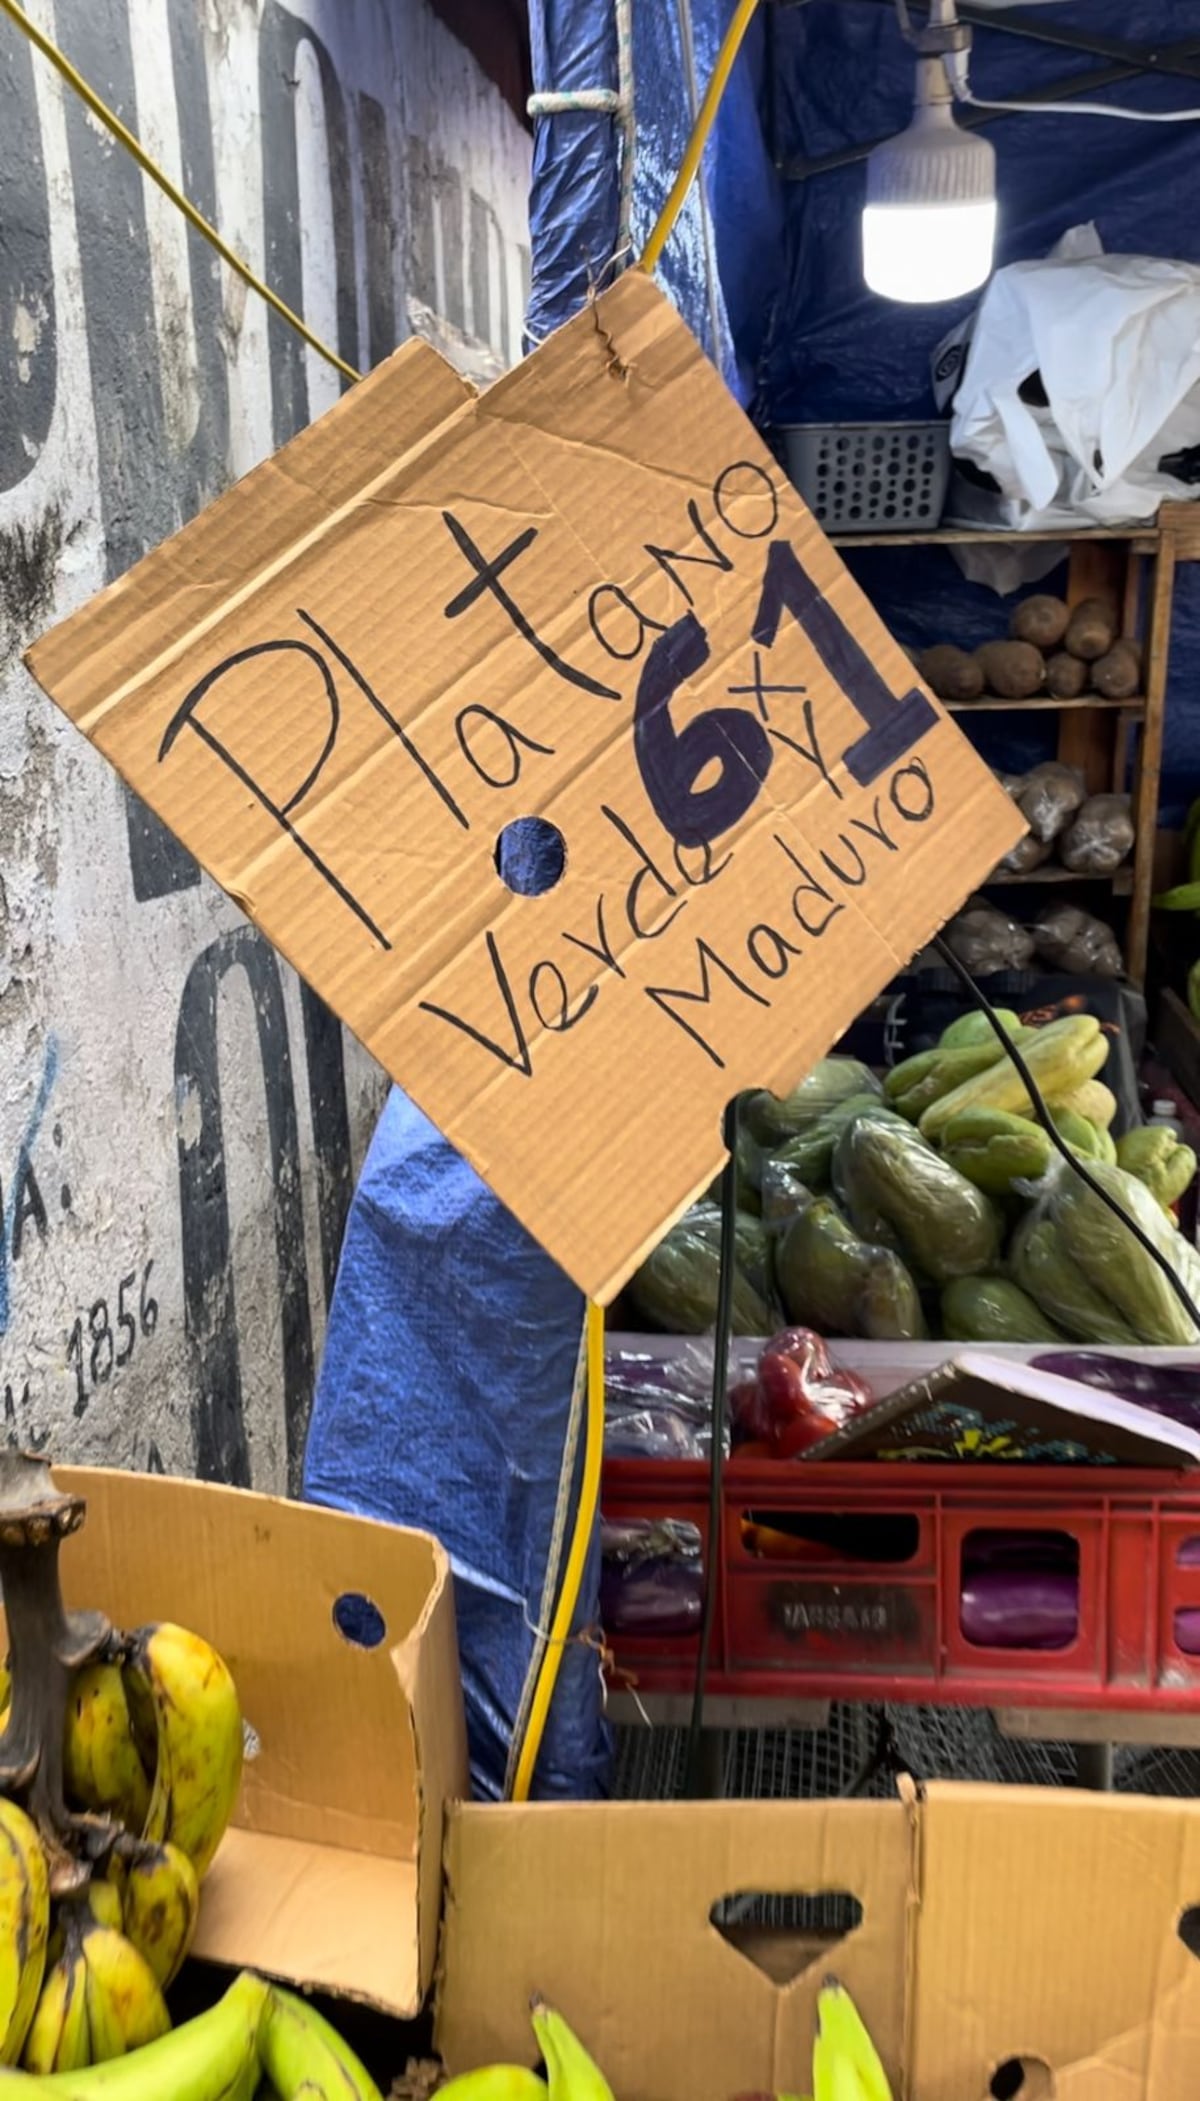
(1042, 620)
(1092, 630)
(1066, 676)
(952, 673)
(1100, 838)
(1026, 855)
(1049, 798)
(1117, 675)
(1012, 670)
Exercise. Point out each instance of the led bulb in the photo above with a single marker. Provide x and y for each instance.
(922, 253)
(929, 226)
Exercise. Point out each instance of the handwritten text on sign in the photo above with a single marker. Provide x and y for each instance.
(589, 598)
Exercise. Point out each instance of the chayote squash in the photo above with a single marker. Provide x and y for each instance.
(1159, 1159)
(773, 1120)
(1088, 1139)
(676, 1287)
(832, 1281)
(884, 1170)
(995, 1151)
(809, 1155)
(1042, 1267)
(975, 1027)
(1117, 1266)
(992, 1309)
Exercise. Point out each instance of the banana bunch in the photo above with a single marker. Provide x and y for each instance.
(153, 1743)
(846, 2064)
(255, 2032)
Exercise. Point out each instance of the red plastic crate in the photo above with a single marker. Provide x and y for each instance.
(823, 1625)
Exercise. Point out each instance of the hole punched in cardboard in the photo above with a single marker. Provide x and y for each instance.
(531, 856)
(359, 1620)
(1021, 2079)
(784, 1934)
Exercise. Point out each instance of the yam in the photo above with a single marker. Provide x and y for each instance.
(1026, 855)
(1012, 670)
(1050, 797)
(1118, 673)
(1042, 620)
(1092, 630)
(953, 674)
(1066, 676)
(1100, 837)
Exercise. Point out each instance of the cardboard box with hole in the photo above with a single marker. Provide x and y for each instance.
(340, 1636)
(1003, 1943)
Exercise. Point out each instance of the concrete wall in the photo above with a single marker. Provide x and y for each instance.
(180, 1121)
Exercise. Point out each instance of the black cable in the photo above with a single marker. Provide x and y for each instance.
(716, 1457)
(1012, 1051)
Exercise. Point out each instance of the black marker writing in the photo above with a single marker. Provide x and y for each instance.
(487, 577)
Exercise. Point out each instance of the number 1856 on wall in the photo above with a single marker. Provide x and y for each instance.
(104, 1339)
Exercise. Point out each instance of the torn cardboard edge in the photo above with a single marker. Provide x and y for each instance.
(998, 1924)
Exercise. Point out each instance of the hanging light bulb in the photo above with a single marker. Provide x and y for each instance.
(929, 226)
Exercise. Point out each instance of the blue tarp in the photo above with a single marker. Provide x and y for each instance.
(447, 1371)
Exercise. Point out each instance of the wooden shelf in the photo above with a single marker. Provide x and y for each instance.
(1120, 882)
(1143, 537)
(988, 703)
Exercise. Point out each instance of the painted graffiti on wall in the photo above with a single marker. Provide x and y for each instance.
(180, 1120)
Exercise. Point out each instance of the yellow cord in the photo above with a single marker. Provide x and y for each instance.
(151, 168)
(581, 1539)
(730, 46)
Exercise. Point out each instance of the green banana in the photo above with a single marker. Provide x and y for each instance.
(101, 1766)
(494, 2083)
(571, 2074)
(303, 2056)
(213, 2058)
(24, 1927)
(846, 2064)
(178, 1677)
(1185, 897)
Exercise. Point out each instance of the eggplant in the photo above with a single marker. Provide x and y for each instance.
(651, 1577)
(1172, 1390)
(1020, 1608)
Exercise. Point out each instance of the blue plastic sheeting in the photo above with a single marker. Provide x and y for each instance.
(442, 1403)
(797, 334)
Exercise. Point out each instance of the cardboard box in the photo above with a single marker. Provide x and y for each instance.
(331, 1876)
(1000, 1928)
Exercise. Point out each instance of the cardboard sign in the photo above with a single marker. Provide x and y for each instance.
(589, 597)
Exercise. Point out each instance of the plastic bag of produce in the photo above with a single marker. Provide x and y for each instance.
(1114, 1262)
(1071, 939)
(987, 940)
(993, 1309)
(887, 1171)
(831, 1280)
(771, 1119)
(1042, 1267)
(796, 1397)
(784, 1196)
(676, 1287)
(809, 1155)
(1049, 798)
(656, 1408)
(1100, 838)
(651, 1576)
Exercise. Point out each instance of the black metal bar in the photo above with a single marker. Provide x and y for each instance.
(798, 170)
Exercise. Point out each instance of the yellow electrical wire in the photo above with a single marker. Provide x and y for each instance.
(730, 46)
(150, 167)
(581, 1539)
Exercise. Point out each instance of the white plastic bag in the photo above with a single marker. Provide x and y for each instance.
(1116, 342)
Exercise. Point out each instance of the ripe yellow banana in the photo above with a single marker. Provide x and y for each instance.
(103, 1900)
(846, 2064)
(571, 2073)
(159, 1904)
(494, 2083)
(198, 1731)
(101, 1766)
(213, 2058)
(302, 2055)
(99, 2001)
(24, 1927)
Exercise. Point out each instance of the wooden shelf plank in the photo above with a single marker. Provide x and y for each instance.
(1120, 882)
(1143, 537)
(989, 704)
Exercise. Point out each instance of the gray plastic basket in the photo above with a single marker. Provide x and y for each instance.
(870, 477)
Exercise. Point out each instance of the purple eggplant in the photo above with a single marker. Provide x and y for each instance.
(651, 1576)
(1172, 1390)
(1010, 1608)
